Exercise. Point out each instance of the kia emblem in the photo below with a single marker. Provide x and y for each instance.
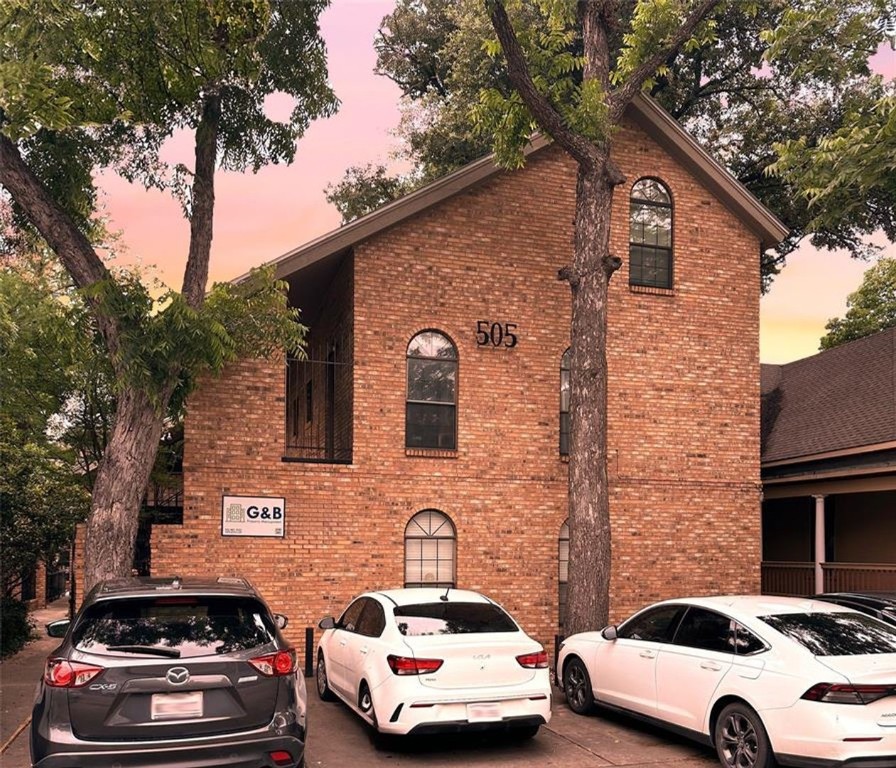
(177, 675)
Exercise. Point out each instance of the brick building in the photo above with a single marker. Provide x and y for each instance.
(423, 441)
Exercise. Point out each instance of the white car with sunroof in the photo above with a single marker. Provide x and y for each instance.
(763, 679)
(421, 661)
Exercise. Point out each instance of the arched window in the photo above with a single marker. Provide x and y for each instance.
(429, 550)
(650, 235)
(564, 402)
(563, 562)
(431, 415)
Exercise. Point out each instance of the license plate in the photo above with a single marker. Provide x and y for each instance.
(483, 713)
(170, 706)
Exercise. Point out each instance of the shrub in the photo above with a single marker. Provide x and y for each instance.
(15, 626)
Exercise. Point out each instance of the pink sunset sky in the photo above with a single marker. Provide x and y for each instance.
(259, 217)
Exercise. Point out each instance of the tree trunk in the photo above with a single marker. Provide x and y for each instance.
(118, 491)
(589, 497)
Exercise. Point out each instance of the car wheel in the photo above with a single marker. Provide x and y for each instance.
(741, 740)
(577, 685)
(323, 685)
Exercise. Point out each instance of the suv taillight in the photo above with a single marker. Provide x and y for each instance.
(407, 665)
(276, 664)
(844, 693)
(61, 673)
(538, 660)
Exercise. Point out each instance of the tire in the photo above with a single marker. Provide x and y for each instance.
(577, 686)
(740, 738)
(323, 684)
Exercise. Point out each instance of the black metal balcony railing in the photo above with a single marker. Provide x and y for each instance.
(319, 396)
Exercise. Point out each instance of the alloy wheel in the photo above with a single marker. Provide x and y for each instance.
(738, 742)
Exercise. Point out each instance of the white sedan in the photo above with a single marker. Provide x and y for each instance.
(799, 681)
(418, 661)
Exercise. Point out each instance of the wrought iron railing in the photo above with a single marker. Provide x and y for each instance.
(319, 397)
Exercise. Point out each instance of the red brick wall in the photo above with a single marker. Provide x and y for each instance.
(684, 420)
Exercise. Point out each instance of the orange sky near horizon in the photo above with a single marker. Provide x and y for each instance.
(260, 216)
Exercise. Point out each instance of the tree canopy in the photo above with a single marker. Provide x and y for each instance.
(741, 89)
(870, 308)
(105, 84)
(44, 342)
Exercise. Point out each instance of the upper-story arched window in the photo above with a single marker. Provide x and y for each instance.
(431, 414)
(650, 235)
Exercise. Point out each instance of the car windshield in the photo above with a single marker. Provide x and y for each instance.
(174, 627)
(451, 619)
(836, 634)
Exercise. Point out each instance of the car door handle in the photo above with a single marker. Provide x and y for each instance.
(342, 643)
(647, 655)
(363, 650)
(711, 665)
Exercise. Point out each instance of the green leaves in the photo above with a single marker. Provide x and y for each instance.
(871, 308)
(652, 25)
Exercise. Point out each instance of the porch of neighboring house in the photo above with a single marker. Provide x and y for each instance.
(829, 539)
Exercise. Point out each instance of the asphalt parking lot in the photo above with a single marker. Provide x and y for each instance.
(338, 738)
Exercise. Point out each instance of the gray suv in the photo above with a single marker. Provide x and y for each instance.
(186, 672)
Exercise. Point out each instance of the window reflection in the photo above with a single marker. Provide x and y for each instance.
(650, 235)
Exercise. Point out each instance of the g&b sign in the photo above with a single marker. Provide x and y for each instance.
(253, 516)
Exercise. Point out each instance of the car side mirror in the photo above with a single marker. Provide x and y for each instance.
(327, 622)
(58, 628)
(609, 633)
(280, 620)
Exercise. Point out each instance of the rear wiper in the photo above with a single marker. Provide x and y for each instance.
(150, 650)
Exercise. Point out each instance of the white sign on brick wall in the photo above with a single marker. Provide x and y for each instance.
(253, 516)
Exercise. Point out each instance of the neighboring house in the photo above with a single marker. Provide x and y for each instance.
(424, 439)
(829, 470)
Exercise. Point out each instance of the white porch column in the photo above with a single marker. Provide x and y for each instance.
(819, 543)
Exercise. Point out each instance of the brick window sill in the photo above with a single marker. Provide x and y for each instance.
(430, 453)
(651, 290)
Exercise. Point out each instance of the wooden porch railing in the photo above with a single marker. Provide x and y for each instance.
(859, 577)
(788, 578)
(798, 578)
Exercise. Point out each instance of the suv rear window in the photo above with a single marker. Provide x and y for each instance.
(836, 634)
(174, 627)
(452, 619)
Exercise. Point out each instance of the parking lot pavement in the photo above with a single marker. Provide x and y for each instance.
(337, 738)
(18, 680)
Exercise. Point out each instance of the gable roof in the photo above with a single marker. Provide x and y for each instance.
(643, 111)
(840, 401)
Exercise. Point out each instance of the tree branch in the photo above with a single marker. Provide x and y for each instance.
(203, 208)
(582, 150)
(56, 227)
(621, 97)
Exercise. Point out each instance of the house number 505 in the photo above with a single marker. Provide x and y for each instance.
(495, 334)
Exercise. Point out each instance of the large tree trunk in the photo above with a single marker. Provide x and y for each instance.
(589, 496)
(119, 488)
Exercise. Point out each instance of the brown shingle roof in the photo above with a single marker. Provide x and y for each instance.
(840, 399)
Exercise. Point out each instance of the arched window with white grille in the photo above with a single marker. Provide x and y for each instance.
(429, 550)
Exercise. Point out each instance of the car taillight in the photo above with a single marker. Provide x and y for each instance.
(61, 673)
(844, 693)
(276, 664)
(406, 665)
(537, 660)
